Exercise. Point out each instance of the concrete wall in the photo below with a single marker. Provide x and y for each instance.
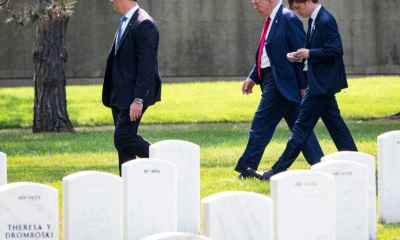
(211, 39)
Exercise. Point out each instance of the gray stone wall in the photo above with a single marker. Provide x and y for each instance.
(204, 39)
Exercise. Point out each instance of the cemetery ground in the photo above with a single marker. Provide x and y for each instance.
(216, 116)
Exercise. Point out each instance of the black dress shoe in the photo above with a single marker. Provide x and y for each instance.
(263, 176)
(243, 177)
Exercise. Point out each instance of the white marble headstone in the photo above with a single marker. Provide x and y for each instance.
(186, 156)
(149, 197)
(28, 211)
(389, 176)
(369, 161)
(304, 205)
(351, 193)
(236, 215)
(92, 206)
(176, 236)
(3, 169)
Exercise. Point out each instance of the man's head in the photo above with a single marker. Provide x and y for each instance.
(265, 7)
(123, 6)
(303, 7)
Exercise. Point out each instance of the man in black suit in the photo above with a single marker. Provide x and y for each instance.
(132, 81)
(326, 77)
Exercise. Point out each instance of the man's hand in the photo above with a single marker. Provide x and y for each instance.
(302, 92)
(135, 111)
(303, 53)
(247, 86)
(292, 57)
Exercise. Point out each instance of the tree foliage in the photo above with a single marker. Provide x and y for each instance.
(27, 15)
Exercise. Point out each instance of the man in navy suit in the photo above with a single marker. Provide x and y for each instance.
(132, 81)
(282, 84)
(326, 77)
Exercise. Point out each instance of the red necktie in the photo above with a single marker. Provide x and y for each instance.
(261, 46)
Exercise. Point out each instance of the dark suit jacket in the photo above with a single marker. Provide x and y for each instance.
(132, 68)
(286, 35)
(326, 73)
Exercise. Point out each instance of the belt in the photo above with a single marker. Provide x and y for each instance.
(265, 69)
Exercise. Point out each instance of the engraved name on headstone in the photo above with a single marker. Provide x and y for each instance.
(28, 211)
(92, 206)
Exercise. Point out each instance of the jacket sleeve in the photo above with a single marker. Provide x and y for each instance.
(254, 75)
(146, 45)
(332, 43)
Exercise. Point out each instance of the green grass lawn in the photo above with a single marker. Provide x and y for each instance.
(211, 102)
(225, 115)
(47, 158)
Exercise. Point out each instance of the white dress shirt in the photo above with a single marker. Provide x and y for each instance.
(264, 57)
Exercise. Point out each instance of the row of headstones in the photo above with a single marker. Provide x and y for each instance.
(177, 149)
(104, 206)
(313, 205)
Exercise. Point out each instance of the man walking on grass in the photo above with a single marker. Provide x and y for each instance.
(326, 77)
(282, 84)
(131, 81)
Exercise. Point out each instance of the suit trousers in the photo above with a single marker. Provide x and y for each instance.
(128, 144)
(272, 108)
(312, 108)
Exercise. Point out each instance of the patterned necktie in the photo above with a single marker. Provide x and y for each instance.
(261, 46)
(120, 29)
(310, 20)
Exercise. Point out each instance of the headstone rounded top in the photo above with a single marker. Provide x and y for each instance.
(227, 194)
(88, 174)
(347, 154)
(169, 143)
(336, 162)
(2, 155)
(389, 134)
(26, 184)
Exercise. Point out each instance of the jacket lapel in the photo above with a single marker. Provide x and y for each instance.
(315, 24)
(113, 46)
(127, 30)
(274, 24)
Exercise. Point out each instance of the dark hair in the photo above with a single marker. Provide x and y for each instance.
(300, 1)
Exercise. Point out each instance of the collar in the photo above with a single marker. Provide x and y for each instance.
(314, 14)
(275, 11)
(129, 14)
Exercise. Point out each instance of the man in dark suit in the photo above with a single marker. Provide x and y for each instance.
(282, 84)
(132, 81)
(326, 77)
